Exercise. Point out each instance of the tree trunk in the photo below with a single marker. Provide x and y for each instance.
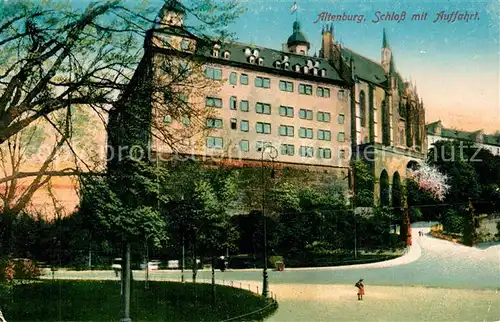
(126, 277)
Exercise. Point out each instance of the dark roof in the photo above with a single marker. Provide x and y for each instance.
(431, 127)
(297, 37)
(238, 56)
(174, 5)
(366, 69)
(492, 139)
(489, 139)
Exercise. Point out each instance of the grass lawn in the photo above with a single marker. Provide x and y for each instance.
(63, 300)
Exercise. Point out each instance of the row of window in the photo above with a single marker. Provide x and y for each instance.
(265, 82)
(285, 149)
(284, 130)
(264, 108)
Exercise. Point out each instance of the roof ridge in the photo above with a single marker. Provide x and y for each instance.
(275, 50)
(357, 53)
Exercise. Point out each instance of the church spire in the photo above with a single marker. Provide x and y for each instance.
(385, 43)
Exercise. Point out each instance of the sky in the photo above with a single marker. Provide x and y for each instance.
(455, 66)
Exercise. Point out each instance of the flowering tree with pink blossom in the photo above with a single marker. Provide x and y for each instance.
(429, 178)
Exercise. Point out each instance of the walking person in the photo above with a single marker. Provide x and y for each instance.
(361, 289)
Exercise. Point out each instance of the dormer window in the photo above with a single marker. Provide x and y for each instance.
(316, 64)
(277, 64)
(287, 65)
(323, 72)
(227, 54)
(215, 52)
(251, 59)
(261, 61)
(184, 44)
(315, 72)
(256, 52)
(285, 58)
(297, 68)
(248, 52)
(309, 63)
(306, 69)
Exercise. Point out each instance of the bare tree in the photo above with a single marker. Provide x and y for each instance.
(54, 56)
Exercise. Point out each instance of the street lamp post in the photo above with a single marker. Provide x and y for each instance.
(273, 154)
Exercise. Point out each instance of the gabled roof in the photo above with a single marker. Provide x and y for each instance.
(431, 127)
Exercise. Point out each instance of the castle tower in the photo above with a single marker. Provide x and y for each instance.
(386, 53)
(172, 13)
(327, 40)
(297, 43)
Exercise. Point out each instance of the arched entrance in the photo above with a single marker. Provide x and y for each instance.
(384, 189)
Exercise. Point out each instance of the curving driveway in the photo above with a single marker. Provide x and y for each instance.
(435, 281)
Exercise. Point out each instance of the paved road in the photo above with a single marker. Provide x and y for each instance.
(441, 264)
(325, 294)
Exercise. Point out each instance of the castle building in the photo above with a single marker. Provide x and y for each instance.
(317, 111)
(437, 132)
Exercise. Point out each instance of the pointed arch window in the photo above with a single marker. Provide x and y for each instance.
(362, 109)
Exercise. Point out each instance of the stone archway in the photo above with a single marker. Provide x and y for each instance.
(385, 189)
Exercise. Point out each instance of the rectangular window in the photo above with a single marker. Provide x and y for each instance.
(232, 103)
(306, 133)
(286, 86)
(259, 145)
(341, 94)
(323, 117)
(214, 142)
(213, 73)
(341, 137)
(244, 106)
(234, 124)
(262, 127)
(244, 126)
(214, 123)
(233, 78)
(244, 146)
(213, 102)
(262, 82)
(262, 108)
(306, 151)
(324, 153)
(305, 89)
(286, 111)
(306, 114)
(287, 149)
(186, 121)
(341, 119)
(244, 79)
(323, 92)
(324, 135)
(342, 154)
(286, 130)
